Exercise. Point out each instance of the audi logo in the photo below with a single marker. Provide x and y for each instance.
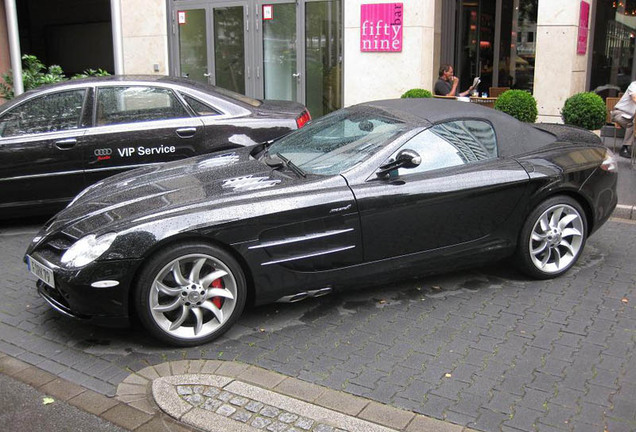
(103, 152)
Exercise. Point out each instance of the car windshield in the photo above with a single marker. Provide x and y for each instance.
(335, 143)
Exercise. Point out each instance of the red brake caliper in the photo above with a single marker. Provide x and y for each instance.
(217, 283)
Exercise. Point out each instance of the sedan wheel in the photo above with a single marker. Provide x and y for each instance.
(552, 238)
(190, 294)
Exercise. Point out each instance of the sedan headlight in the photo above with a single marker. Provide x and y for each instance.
(87, 249)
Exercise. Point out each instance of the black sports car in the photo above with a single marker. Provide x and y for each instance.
(56, 140)
(379, 191)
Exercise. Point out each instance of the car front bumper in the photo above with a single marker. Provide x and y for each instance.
(79, 293)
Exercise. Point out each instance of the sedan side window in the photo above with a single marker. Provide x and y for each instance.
(117, 105)
(48, 113)
(199, 107)
(450, 144)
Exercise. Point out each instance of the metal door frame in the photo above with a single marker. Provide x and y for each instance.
(299, 43)
(209, 6)
(253, 31)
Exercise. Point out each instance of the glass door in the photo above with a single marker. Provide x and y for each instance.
(192, 44)
(323, 56)
(475, 51)
(302, 52)
(211, 42)
(273, 49)
(229, 28)
(282, 76)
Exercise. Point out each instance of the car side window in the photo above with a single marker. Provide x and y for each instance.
(130, 104)
(48, 113)
(199, 107)
(451, 144)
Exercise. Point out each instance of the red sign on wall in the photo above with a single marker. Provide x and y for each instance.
(584, 25)
(381, 27)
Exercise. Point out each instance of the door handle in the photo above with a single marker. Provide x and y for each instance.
(296, 75)
(66, 144)
(186, 132)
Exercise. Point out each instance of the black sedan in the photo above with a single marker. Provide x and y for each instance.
(375, 192)
(56, 140)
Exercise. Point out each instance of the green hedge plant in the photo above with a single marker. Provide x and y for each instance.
(586, 110)
(36, 74)
(518, 103)
(417, 93)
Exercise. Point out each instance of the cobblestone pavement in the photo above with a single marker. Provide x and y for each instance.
(485, 348)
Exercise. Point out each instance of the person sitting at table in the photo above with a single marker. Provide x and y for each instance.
(446, 84)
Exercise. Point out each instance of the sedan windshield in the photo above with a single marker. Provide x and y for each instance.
(337, 142)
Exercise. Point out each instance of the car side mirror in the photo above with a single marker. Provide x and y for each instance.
(404, 159)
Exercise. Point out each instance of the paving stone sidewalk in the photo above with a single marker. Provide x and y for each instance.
(486, 349)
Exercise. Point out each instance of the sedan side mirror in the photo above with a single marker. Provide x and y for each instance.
(404, 159)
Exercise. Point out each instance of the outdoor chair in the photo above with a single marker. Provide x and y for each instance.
(497, 91)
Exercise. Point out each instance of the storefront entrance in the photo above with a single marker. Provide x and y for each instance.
(278, 49)
(493, 39)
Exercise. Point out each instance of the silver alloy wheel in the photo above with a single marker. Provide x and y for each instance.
(556, 239)
(183, 301)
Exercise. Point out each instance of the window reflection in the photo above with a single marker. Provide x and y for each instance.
(48, 113)
(451, 144)
(323, 47)
(518, 44)
(501, 59)
(613, 53)
(136, 104)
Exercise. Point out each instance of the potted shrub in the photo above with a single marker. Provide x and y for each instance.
(35, 74)
(417, 93)
(518, 103)
(586, 110)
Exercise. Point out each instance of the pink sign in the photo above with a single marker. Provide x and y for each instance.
(381, 27)
(584, 24)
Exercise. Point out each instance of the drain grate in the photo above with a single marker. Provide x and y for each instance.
(252, 412)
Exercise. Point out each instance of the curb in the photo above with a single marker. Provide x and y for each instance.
(624, 212)
(343, 410)
(150, 400)
(119, 413)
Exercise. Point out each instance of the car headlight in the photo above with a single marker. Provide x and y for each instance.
(87, 249)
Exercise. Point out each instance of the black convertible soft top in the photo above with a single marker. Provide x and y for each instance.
(513, 137)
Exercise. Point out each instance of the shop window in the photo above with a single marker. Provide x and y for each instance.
(614, 47)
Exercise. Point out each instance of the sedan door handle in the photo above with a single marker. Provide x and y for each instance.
(66, 144)
(186, 132)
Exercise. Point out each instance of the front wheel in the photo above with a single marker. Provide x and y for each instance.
(552, 238)
(190, 294)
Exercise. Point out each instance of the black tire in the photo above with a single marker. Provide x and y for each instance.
(190, 294)
(552, 238)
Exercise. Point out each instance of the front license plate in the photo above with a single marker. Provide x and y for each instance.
(41, 271)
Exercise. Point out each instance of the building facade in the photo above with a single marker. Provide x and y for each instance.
(333, 53)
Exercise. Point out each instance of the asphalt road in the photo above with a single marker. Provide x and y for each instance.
(25, 409)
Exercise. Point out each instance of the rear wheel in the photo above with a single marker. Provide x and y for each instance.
(190, 294)
(552, 238)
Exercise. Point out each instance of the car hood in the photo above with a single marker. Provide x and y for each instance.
(177, 189)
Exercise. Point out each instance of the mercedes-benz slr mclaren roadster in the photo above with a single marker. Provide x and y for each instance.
(376, 192)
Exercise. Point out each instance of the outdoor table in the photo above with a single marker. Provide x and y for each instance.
(484, 101)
